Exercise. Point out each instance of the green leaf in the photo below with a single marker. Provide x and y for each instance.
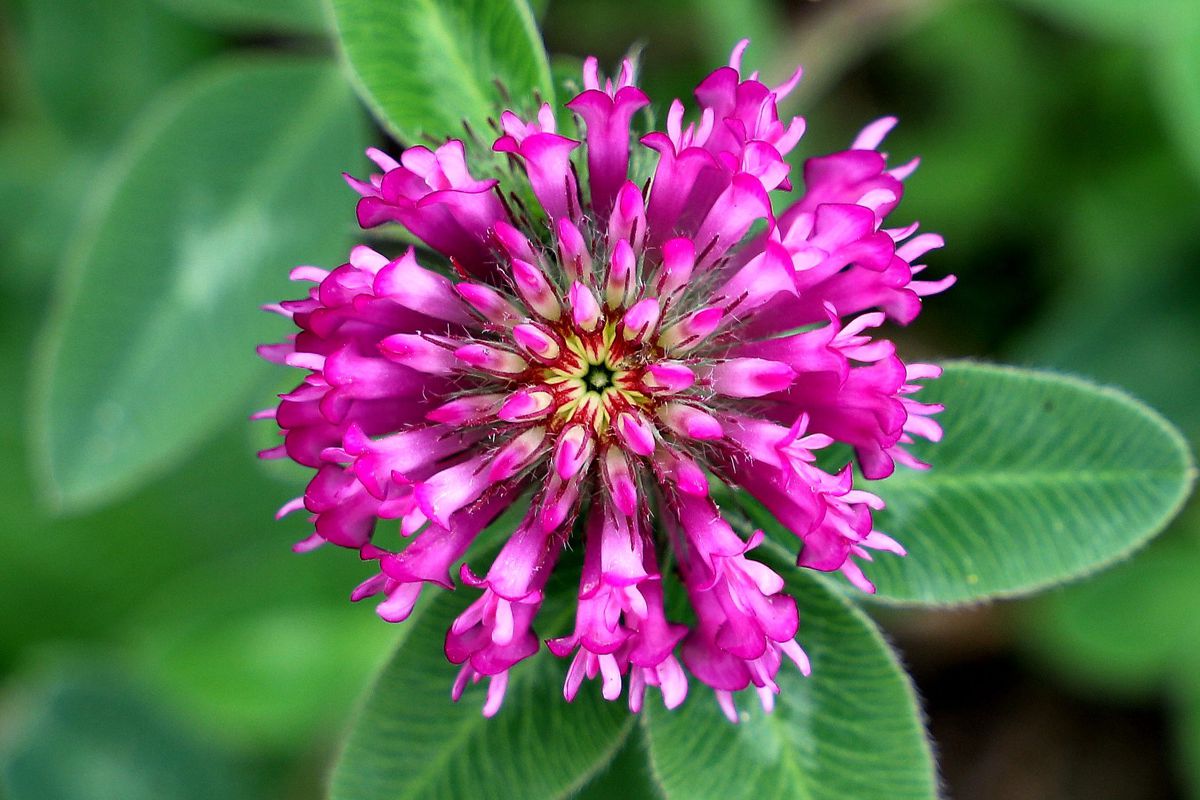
(84, 732)
(299, 16)
(255, 644)
(122, 555)
(850, 731)
(424, 66)
(567, 74)
(74, 76)
(136, 548)
(411, 741)
(94, 65)
(627, 776)
(1040, 478)
(225, 185)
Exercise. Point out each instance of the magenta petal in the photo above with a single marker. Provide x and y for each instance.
(546, 157)
(412, 286)
(607, 119)
(739, 207)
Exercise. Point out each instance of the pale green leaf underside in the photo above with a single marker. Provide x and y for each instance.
(223, 187)
(424, 66)
(1040, 478)
(851, 731)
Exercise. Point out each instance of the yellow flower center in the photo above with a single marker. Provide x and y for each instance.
(593, 379)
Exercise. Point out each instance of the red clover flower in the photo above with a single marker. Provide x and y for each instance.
(601, 331)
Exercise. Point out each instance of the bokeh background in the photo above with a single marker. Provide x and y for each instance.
(158, 639)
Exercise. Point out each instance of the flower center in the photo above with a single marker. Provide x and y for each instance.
(598, 377)
(594, 379)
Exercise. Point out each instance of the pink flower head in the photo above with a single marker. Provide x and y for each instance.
(601, 352)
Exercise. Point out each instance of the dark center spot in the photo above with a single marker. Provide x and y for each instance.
(599, 377)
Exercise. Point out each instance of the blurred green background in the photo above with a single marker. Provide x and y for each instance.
(165, 162)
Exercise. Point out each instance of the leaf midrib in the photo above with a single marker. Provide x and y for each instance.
(465, 732)
(786, 564)
(940, 477)
(799, 779)
(437, 30)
